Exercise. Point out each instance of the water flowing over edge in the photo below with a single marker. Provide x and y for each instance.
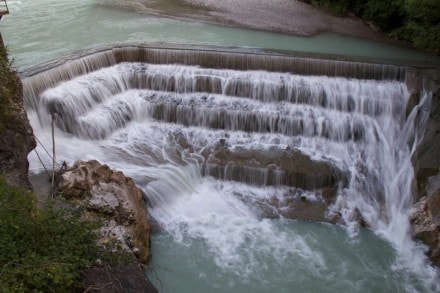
(388, 217)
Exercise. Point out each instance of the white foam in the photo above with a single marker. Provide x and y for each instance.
(165, 158)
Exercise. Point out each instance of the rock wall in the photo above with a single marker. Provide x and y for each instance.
(425, 216)
(16, 136)
(110, 195)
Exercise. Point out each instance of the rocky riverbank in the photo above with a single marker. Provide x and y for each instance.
(279, 16)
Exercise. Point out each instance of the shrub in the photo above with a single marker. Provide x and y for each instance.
(416, 21)
(41, 250)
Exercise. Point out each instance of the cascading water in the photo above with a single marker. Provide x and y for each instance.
(223, 154)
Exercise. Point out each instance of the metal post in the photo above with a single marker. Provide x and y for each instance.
(53, 151)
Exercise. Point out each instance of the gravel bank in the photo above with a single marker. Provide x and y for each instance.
(281, 16)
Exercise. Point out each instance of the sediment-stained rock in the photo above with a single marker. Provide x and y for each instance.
(275, 166)
(109, 193)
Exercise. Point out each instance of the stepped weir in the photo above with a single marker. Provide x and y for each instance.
(257, 118)
(238, 134)
(337, 130)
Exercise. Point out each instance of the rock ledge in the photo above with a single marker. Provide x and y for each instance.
(110, 195)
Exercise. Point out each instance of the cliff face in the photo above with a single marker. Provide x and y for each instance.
(16, 137)
(425, 217)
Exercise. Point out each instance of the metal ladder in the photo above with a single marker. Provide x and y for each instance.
(3, 8)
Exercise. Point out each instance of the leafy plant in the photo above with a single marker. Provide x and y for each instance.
(416, 21)
(10, 87)
(41, 250)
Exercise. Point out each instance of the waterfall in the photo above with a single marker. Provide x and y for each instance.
(79, 64)
(248, 131)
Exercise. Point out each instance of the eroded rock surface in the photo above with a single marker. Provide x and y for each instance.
(425, 216)
(109, 193)
(16, 136)
(425, 221)
(275, 166)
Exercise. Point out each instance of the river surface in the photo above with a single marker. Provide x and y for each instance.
(37, 31)
(212, 237)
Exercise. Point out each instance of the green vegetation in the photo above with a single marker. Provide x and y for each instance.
(10, 89)
(416, 21)
(41, 250)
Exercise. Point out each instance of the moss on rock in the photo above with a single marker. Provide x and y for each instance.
(16, 136)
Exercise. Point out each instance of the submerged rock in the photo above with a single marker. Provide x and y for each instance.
(297, 204)
(109, 193)
(272, 167)
(293, 207)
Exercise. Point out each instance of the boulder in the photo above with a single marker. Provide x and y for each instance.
(425, 227)
(108, 193)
